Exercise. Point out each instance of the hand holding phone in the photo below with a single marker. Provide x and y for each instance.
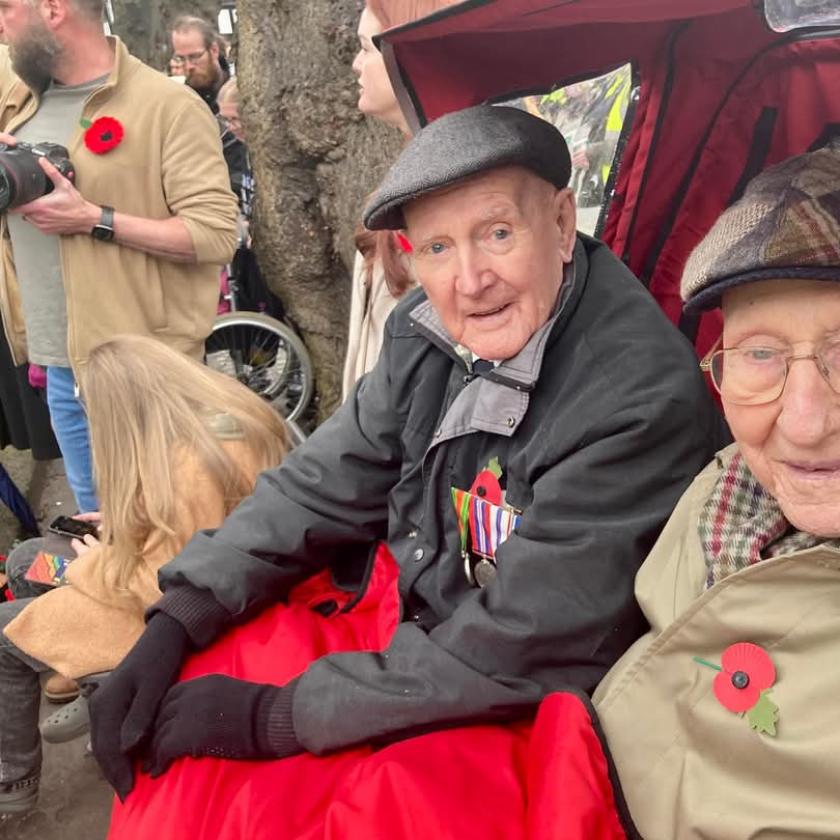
(82, 547)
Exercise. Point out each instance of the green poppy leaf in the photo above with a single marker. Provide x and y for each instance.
(764, 716)
(494, 467)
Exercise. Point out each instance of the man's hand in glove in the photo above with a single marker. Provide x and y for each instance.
(224, 718)
(123, 708)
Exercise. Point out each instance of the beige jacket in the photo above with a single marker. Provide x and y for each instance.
(690, 768)
(88, 625)
(169, 163)
(7, 75)
(369, 310)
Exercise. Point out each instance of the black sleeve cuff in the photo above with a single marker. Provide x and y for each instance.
(274, 726)
(196, 610)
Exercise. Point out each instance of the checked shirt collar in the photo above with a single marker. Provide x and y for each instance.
(741, 524)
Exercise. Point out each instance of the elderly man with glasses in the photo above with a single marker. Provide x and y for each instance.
(722, 719)
(530, 424)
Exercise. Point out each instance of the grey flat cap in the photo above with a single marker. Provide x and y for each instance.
(462, 144)
(786, 226)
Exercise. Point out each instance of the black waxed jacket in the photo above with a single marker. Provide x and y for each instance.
(599, 425)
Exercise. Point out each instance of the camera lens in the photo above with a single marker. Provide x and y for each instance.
(7, 190)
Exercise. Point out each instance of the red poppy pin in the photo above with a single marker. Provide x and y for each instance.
(103, 135)
(745, 676)
(486, 485)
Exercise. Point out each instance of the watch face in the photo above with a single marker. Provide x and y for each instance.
(103, 234)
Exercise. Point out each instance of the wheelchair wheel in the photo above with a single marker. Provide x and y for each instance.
(264, 354)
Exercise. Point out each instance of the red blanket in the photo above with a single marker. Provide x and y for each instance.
(540, 779)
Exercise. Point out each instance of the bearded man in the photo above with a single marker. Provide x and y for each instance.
(196, 44)
(134, 242)
(530, 424)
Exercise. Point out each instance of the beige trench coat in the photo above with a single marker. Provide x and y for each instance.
(689, 767)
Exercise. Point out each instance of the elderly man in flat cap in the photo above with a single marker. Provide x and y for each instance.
(729, 729)
(531, 422)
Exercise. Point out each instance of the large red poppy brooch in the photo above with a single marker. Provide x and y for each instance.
(103, 135)
(745, 676)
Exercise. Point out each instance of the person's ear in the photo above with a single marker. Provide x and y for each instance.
(214, 50)
(565, 216)
(54, 12)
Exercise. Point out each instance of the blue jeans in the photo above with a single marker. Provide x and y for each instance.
(71, 431)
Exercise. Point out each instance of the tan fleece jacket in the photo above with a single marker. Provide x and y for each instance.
(169, 163)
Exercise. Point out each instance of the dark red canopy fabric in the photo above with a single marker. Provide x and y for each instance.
(721, 97)
(482, 50)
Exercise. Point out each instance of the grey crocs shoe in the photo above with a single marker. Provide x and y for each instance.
(69, 722)
(18, 797)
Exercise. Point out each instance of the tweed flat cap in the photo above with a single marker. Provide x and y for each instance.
(462, 144)
(786, 226)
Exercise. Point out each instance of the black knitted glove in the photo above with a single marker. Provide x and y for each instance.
(224, 718)
(123, 707)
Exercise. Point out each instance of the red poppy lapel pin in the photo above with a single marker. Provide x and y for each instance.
(103, 135)
(745, 676)
(486, 484)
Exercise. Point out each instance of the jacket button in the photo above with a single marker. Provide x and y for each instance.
(511, 421)
(418, 555)
(412, 535)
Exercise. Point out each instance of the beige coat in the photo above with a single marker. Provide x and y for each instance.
(689, 767)
(169, 163)
(88, 625)
(369, 310)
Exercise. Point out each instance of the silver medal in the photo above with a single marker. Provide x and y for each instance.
(485, 573)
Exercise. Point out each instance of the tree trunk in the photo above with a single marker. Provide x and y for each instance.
(315, 160)
(144, 24)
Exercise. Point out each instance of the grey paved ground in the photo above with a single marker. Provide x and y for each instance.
(75, 801)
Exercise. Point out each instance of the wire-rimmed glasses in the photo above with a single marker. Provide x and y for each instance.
(755, 375)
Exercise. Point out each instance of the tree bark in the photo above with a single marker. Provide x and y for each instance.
(144, 24)
(315, 160)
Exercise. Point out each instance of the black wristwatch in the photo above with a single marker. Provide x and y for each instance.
(104, 229)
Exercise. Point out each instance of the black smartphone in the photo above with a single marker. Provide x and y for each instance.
(66, 526)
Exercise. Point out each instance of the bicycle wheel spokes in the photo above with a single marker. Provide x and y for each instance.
(264, 355)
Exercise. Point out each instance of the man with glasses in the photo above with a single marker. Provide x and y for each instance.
(196, 44)
(722, 719)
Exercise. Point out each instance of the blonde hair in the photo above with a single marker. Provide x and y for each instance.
(147, 404)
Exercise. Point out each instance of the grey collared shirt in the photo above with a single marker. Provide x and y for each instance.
(38, 255)
(498, 401)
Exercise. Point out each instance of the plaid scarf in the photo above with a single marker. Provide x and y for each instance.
(741, 524)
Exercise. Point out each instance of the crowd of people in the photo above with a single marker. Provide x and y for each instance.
(526, 550)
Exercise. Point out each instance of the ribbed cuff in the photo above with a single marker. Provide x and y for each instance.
(275, 729)
(196, 610)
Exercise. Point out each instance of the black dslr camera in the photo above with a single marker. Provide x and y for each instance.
(21, 178)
